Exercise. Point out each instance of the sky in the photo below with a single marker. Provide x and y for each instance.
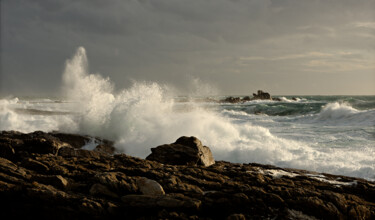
(232, 47)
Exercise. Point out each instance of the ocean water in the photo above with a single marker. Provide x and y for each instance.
(332, 134)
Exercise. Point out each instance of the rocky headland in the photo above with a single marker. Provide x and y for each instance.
(61, 176)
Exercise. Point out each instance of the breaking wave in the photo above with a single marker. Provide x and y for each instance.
(344, 114)
(144, 116)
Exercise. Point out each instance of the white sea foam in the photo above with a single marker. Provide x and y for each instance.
(91, 144)
(143, 116)
(343, 113)
(11, 120)
(276, 173)
(335, 182)
(336, 111)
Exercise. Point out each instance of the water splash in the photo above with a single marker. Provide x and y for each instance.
(144, 116)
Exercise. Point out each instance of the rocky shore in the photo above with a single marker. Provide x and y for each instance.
(61, 176)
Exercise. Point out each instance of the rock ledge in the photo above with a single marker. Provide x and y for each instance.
(37, 180)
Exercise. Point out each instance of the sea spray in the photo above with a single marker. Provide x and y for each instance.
(140, 117)
(8, 118)
(300, 134)
(14, 116)
(91, 92)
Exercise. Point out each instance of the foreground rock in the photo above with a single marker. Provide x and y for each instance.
(185, 151)
(43, 182)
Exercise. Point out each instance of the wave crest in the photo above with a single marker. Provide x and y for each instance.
(344, 114)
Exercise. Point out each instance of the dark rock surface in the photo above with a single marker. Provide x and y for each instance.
(185, 151)
(37, 180)
(260, 95)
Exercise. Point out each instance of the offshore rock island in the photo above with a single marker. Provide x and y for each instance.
(60, 176)
(260, 95)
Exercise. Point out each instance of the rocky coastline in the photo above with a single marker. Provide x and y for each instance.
(60, 176)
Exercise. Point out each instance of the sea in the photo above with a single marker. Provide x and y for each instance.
(328, 134)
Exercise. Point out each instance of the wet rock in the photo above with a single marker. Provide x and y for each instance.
(105, 148)
(78, 141)
(73, 152)
(147, 201)
(185, 151)
(75, 140)
(79, 184)
(43, 145)
(54, 180)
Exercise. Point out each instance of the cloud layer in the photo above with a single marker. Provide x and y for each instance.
(284, 47)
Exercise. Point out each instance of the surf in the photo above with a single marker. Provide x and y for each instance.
(146, 115)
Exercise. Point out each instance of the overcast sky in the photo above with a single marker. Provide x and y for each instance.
(295, 47)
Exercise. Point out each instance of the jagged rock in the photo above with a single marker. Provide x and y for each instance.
(78, 141)
(7, 165)
(100, 190)
(43, 146)
(73, 152)
(105, 148)
(186, 150)
(75, 140)
(147, 201)
(149, 187)
(35, 165)
(117, 182)
(236, 217)
(6, 151)
(80, 184)
(54, 180)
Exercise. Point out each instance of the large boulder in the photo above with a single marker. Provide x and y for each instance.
(149, 187)
(185, 151)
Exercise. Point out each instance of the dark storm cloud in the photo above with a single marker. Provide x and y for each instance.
(237, 45)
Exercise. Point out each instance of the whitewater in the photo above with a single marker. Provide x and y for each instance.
(331, 134)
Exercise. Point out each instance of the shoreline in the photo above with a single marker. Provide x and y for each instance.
(48, 176)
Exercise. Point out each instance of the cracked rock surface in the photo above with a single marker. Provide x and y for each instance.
(49, 175)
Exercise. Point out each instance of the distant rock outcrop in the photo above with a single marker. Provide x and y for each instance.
(260, 95)
(185, 151)
(231, 99)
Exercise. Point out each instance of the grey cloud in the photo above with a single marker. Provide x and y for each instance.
(164, 41)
